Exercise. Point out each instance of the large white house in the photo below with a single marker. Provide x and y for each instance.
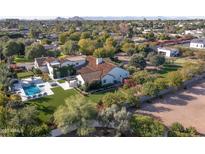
(47, 64)
(198, 43)
(168, 52)
(96, 69)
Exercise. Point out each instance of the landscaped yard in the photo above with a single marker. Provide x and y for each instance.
(24, 74)
(168, 68)
(21, 59)
(47, 105)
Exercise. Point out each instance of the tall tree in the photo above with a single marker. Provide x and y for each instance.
(70, 47)
(78, 112)
(34, 51)
(138, 61)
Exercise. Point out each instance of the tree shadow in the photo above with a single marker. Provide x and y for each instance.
(178, 99)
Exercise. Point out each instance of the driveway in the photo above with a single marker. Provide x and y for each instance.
(186, 107)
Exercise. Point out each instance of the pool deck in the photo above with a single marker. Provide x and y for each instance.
(44, 87)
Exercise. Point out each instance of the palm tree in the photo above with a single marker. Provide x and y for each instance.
(77, 112)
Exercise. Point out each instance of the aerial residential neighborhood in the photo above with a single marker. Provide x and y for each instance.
(91, 77)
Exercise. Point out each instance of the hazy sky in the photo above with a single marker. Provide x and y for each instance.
(53, 8)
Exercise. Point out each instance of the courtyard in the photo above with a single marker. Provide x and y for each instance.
(186, 107)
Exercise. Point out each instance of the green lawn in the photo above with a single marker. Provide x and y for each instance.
(47, 105)
(24, 74)
(61, 81)
(21, 59)
(168, 68)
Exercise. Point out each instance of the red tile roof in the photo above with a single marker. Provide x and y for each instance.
(92, 71)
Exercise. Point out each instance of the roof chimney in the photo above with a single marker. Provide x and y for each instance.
(99, 61)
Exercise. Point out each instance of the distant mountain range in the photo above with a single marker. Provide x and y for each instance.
(77, 18)
(132, 18)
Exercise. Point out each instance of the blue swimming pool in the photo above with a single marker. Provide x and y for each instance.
(31, 90)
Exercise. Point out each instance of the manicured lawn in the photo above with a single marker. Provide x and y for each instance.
(24, 74)
(61, 81)
(47, 105)
(21, 59)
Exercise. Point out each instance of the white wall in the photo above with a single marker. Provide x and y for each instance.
(197, 45)
(75, 63)
(42, 68)
(50, 70)
(119, 73)
(166, 52)
(80, 80)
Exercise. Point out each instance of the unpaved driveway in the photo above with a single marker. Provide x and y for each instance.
(186, 107)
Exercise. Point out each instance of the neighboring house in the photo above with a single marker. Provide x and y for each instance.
(196, 33)
(40, 63)
(198, 43)
(168, 52)
(47, 64)
(96, 69)
(51, 46)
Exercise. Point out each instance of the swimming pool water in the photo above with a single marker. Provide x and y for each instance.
(31, 90)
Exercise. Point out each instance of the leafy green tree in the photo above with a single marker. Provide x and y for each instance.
(128, 48)
(11, 48)
(145, 126)
(70, 47)
(110, 42)
(22, 122)
(138, 61)
(21, 50)
(35, 51)
(75, 36)
(157, 60)
(85, 35)
(150, 36)
(5, 77)
(63, 37)
(87, 46)
(78, 112)
(104, 52)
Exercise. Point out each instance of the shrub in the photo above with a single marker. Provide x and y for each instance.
(175, 79)
(132, 98)
(113, 98)
(45, 77)
(131, 69)
(150, 89)
(92, 86)
(36, 71)
(64, 71)
(141, 77)
(161, 83)
(177, 130)
(128, 83)
(145, 126)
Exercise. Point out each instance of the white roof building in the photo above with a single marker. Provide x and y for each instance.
(198, 43)
(168, 52)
